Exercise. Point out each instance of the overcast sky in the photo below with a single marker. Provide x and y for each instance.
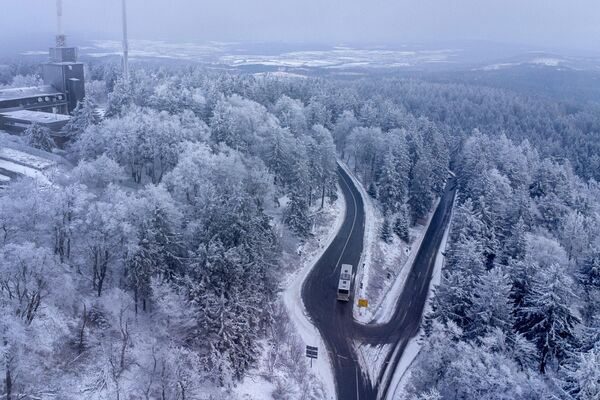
(551, 23)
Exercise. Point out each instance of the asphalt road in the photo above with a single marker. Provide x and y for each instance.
(334, 318)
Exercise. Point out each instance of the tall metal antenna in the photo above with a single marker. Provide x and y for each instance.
(61, 39)
(125, 44)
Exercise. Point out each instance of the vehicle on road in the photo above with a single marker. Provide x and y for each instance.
(345, 283)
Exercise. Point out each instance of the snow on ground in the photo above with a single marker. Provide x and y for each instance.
(328, 222)
(371, 358)
(25, 159)
(255, 387)
(236, 54)
(386, 302)
(400, 377)
(363, 271)
(292, 297)
(547, 61)
(4, 179)
(23, 170)
(384, 267)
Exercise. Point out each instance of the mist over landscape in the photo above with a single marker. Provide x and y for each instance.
(299, 200)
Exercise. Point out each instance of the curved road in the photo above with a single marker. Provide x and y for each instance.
(334, 319)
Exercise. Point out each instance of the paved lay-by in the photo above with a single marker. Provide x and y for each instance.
(334, 318)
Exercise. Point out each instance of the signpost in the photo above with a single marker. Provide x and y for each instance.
(364, 303)
(312, 352)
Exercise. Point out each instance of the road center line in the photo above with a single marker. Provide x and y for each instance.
(353, 223)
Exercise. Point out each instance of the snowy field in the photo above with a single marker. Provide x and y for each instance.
(238, 55)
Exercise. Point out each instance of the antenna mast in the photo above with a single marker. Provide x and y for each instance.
(125, 44)
(61, 39)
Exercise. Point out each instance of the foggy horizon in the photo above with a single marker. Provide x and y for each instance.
(536, 24)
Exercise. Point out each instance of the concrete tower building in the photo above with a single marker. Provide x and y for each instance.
(64, 72)
(63, 89)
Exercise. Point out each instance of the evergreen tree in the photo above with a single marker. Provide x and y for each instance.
(546, 317)
(386, 231)
(297, 214)
(39, 137)
(421, 196)
(582, 375)
(372, 190)
(84, 116)
(119, 99)
(516, 244)
(492, 306)
(589, 277)
(389, 184)
(401, 224)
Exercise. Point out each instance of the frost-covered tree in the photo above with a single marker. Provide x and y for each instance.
(390, 184)
(386, 231)
(402, 223)
(341, 131)
(39, 137)
(546, 318)
(582, 376)
(119, 99)
(421, 196)
(84, 116)
(492, 306)
(291, 115)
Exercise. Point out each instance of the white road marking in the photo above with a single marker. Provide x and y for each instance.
(353, 223)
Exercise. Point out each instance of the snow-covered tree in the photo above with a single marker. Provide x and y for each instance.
(386, 231)
(84, 116)
(39, 137)
(546, 317)
(402, 223)
(582, 375)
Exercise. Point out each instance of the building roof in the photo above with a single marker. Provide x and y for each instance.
(35, 116)
(28, 92)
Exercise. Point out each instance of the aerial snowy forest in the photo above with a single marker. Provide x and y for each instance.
(152, 269)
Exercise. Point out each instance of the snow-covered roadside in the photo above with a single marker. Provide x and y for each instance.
(395, 261)
(371, 358)
(364, 267)
(329, 222)
(400, 377)
(385, 309)
(292, 296)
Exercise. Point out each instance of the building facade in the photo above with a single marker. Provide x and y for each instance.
(63, 89)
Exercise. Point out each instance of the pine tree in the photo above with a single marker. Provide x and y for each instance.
(372, 190)
(119, 99)
(386, 231)
(401, 225)
(492, 306)
(389, 184)
(516, 245)
(84, 116)
(40, 137)
(421, 195)
(297, 214)
(546, 317)
(582, 375)
(589, 277)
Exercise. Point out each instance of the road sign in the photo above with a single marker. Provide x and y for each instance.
(312, 353)
(363, 303)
